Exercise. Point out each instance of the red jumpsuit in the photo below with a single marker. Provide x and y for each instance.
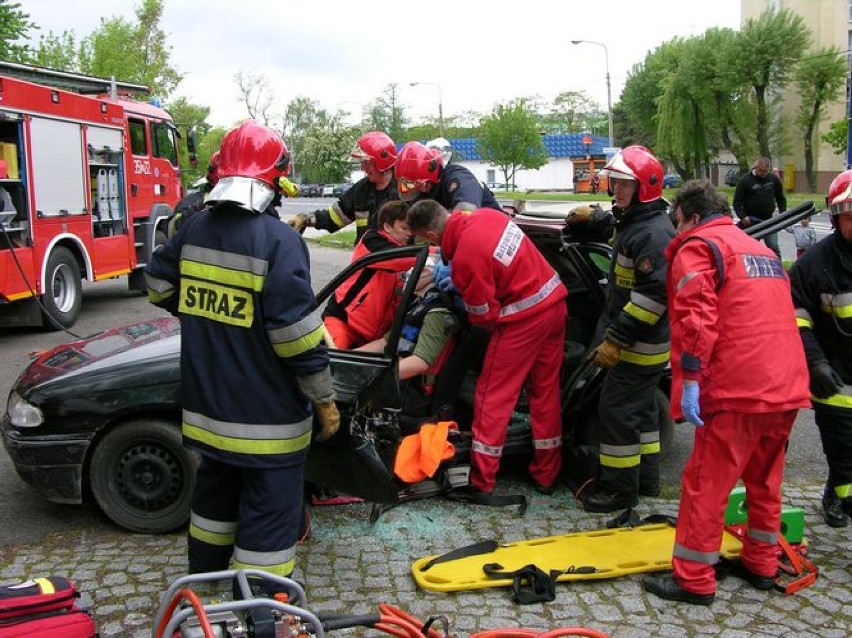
(733, 330)
(511, 290)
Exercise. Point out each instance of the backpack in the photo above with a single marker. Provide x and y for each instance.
(43, 608)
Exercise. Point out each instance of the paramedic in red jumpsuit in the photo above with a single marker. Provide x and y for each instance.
(509, 289)
(739, 376)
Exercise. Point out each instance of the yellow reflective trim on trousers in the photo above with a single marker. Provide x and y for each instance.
(843, 491)
(282, 569)
(361, 221)
(650, 448)
(644, 359)
(841, 312)
(836, 400)
(218, 274)
(645, 316)
(211, 538)
(804, 323)
(45, 585)
(247, 446)
(300, 345)
(157, 297)
(620, 462)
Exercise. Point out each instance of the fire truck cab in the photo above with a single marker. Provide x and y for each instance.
(88, 177)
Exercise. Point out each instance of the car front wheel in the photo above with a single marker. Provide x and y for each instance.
(142, 477)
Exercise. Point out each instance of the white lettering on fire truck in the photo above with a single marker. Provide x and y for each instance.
(142, 167)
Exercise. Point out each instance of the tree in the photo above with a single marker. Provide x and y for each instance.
(326, 150)
(256, 95)
(766, 50)
(838, 136)
(387, 113)
(58, 52)
(819, 79)
(132, 52)
(510, 139)
(574, 112)
(14, 28)
(192, 116)
(302, 116)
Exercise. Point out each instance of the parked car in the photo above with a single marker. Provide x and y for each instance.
(102, 415)
(733, 175)
(339, 189)
(310, 190)
(672, 180)
(501, 186)
(328, 190)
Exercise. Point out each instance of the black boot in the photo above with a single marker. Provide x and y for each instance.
(667, 587)
(604, 502)
(832, 509)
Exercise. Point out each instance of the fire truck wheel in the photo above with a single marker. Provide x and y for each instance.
(142, 477)
(63, 295)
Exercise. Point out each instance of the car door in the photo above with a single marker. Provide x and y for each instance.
(358, 461)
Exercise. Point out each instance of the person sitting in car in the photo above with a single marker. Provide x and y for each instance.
(363, 307)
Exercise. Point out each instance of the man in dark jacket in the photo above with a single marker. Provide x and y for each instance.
(254, 371)
(756, 196)
(635, 335)
(822, 294)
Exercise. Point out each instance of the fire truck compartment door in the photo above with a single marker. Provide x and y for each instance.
(101, 139)
(57, 155)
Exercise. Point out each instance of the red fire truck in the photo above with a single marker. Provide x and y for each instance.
(90, 176)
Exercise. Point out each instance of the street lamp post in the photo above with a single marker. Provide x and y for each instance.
(608, 90)
(440, 103)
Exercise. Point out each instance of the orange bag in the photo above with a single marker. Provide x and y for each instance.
(419, 455)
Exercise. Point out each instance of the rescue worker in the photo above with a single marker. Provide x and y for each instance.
(738, 375)
(822, 295)
(376, 152)
(510, 289)
(363, 307)
(635, 335)
(254, 371)
(422, 174)
(194, 202)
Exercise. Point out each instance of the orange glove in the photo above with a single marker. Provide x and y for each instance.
(605, 355)
(582, 213)
(329, 419)
(300, 221)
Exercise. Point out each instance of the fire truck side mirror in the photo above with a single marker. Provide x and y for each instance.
(191, 147)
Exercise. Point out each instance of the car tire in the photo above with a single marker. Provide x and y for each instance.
(142, 477)
(63, 296)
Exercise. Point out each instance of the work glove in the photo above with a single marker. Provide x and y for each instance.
(689, 403)
(582, 213)
(606, 355)
(329, 419)
(442, 271)
(825, 382)
(301, 221)
(287, 187)
(446, 285)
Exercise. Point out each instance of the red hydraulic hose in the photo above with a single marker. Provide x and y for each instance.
(197, 607)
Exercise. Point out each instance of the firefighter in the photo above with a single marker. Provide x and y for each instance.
(738, 375)
(822, 294)
(254, 370)
(511, 290)
(443, 146)
(422, 174)
(194, 201)
(377, 153)
(635, 335)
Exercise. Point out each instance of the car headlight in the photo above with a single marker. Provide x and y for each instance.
(23, 414)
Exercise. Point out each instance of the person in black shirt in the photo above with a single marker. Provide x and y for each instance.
(756, 196)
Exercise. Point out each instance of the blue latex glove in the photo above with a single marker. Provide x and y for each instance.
(689, 403)
(446, 285)
(442, 271)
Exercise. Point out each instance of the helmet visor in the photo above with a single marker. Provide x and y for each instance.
(409, 189)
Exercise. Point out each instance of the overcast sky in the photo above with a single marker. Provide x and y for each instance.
(473, 53)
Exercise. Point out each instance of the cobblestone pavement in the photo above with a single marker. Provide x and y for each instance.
(350, 566)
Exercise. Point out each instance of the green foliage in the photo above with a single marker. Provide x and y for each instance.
(510, 139)
(575, 112)
(387, 113)
(820, 79)
(838, 136)
(14, 29)
(192, 116)
(326, 151)
(58, 52)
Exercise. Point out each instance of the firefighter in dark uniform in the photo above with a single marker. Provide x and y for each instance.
(377, 153)
(195, 201)
(635, 332)
(254, 370)
(822, 294)
(422, 174)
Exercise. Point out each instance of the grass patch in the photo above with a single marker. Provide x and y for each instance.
(340, 239)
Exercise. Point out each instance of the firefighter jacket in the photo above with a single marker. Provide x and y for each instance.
(822, 293)
(359, 204)
(458, 187)
(251, 334)
(634, 317)
(499, 272)
(733, 324)
(368, 300)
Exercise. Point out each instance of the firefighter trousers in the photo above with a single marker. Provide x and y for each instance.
(245, 518)
(730, 446)
(835, 431)
(629, 429)
(531, 351)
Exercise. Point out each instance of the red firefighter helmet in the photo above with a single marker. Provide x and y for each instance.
(213, 169)
(415, 166)
(639, 164)
(839, 198)
(251, 160)
(378, 148)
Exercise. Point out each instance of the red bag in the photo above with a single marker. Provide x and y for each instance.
(43, 608)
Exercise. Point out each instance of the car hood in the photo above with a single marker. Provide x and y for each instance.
(110, 350)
